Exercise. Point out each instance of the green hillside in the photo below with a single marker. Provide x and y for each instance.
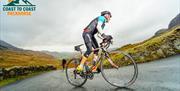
(10, 58)
(157, 47)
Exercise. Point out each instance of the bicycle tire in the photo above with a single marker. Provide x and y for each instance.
(116, 83)
(70, 69)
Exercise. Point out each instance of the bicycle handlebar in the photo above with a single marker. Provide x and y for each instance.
(106, 41)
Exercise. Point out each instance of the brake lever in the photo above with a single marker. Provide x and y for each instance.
(100, 37)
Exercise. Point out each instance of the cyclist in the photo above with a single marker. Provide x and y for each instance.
(95, 27)
(63, 64)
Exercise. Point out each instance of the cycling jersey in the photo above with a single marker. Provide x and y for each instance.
(91, 28)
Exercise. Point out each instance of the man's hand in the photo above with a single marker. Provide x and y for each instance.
(107, 38)
(103, 36)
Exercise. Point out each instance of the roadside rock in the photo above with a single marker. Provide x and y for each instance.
(22, 70)
(177, 44)
(159, 47)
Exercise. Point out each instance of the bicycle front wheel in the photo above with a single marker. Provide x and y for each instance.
(123, 76)
(71, 75)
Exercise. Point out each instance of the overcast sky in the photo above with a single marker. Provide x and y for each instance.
(57, 25)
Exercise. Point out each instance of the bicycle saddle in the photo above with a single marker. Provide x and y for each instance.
(77, 48)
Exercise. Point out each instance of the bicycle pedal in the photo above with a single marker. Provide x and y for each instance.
(90, 76)
(79, 73)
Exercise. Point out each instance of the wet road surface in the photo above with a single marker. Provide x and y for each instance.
(161, 75)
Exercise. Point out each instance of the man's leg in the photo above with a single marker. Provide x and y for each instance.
(87, 40)
(95, 59)
(84, 58)
(80, 67)
(63, 67)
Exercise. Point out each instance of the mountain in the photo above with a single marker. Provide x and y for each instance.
(12, 56)
(5, 45)
(17, 2)
(174, 22)
(160, 31)
(67, 55)
(61, 55)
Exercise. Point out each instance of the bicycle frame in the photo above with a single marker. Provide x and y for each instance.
(102, 55)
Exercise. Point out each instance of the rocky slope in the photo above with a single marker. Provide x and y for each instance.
(4, 45)
(165, 43)
(162, 46)
(174, 22)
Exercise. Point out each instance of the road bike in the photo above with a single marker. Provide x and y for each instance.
(118, 68)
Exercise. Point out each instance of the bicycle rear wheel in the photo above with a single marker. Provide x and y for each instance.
(71, 75)
(127, 71)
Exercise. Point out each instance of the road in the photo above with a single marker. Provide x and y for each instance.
(161, 75)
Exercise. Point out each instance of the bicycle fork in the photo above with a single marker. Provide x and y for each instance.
(110, 61)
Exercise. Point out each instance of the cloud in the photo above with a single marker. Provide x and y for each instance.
(58, 24)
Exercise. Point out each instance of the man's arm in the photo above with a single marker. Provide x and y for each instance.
(99, 28)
